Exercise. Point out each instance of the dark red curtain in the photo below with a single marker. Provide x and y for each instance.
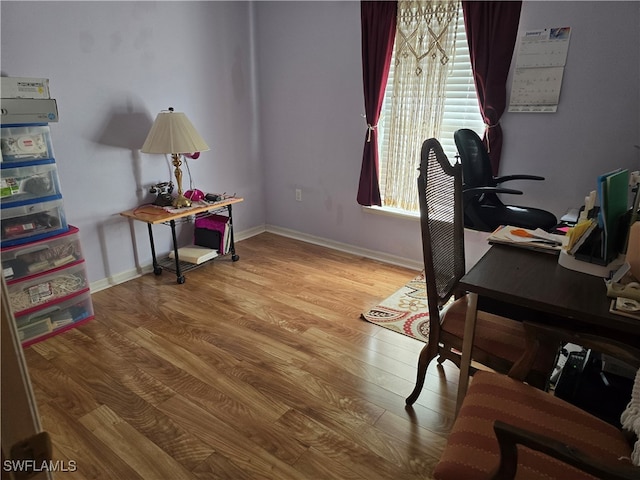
(378, 34)
(492, 29)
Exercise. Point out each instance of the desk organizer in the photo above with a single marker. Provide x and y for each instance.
(25, 142)
(572, 263)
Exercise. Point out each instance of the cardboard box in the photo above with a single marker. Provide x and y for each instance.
(27, 110)
(22, 87)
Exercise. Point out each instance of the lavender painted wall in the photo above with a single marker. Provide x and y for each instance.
(276, 90)
(112, 67)
(312, 131)
(597, 126)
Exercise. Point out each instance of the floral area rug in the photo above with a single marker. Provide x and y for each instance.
(406, 311)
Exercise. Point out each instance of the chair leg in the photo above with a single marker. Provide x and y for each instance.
(427, 353)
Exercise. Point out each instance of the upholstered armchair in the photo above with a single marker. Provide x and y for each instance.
(508, 429)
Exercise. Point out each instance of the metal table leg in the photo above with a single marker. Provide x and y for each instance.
(157, 269)
(180, 278)
(234, 257)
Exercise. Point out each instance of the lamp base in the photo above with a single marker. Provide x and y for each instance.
(181, 201)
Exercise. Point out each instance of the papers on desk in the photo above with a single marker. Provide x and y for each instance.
(626, 307)
(579, 233)
(625, 291)
(537, 240)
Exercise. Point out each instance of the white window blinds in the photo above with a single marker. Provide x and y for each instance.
(446, 99)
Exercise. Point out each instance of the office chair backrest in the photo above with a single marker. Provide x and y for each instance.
(442, 223)
(476, 164)
(483, 207)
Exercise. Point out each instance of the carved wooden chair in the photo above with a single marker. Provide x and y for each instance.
(498, 342)
(507, 429)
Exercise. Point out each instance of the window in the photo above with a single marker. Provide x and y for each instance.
(456, 106)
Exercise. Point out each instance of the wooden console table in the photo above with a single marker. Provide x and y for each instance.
(154, 215)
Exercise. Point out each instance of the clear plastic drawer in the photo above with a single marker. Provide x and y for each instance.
(46, 254)
(25, 142)
(28, 181)
(55, 318)
(30, 222)
(24, 295)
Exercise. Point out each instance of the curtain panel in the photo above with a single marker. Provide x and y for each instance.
(378, 34)
(492, 29)
(424, 51)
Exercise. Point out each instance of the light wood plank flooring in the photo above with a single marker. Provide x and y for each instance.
(256, 369)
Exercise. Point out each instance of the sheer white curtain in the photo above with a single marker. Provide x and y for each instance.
(423, 56)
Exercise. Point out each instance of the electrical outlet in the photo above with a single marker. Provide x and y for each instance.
(298, 194)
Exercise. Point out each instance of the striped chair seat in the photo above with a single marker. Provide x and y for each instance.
(472, 451)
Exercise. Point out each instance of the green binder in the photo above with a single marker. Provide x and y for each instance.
(614, 188)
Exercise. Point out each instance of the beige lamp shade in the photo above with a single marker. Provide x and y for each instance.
(172, 132)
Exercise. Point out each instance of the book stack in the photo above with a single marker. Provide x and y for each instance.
(195, 254)
(213, 231)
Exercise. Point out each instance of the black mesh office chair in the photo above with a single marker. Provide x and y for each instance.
(483, 209)
(498, 341)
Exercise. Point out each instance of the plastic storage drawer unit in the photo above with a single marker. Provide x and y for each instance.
(55, 285)
(53, 319)
(36, 257)
(32, 221)
(25, 142)
(35, 179)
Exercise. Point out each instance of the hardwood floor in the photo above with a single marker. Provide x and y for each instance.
(256, 369)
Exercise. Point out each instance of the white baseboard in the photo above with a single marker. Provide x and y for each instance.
(120, 278)
(148, 267)
(252, 232)
(347, 248)
(285, 232)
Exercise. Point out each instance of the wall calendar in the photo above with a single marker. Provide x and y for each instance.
(537, 79)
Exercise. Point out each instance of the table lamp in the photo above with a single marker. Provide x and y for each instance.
(173, 133)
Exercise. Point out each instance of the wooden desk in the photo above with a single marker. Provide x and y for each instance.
(154, 215)
(526, 285)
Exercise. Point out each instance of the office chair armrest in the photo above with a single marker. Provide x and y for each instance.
(472, 191)
(506, 178)
(510, 436)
